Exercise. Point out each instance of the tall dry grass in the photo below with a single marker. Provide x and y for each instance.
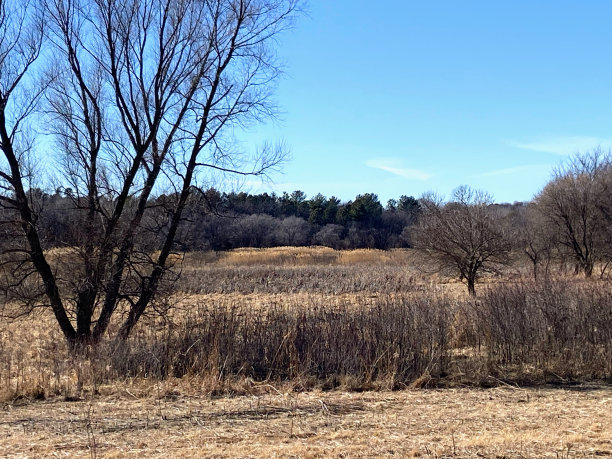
(327, 279)
(560, 327)
(301, 256)
(389, 342)
(359, 325)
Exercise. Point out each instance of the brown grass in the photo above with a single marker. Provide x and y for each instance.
(301, 256)
(172, 419)
(128, 402)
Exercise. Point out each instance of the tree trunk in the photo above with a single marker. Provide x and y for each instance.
(471, 284)
(588, 267)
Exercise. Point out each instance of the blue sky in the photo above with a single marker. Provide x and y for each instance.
(405, 97)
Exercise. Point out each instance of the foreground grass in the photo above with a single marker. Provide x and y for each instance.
(169, 420)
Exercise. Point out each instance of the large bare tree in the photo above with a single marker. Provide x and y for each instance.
(576, 204)
(464, 235)
(139, 96)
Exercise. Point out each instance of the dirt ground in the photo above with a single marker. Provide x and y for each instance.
(172, 422)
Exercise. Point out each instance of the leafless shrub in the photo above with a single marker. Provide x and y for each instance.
(524, 333)
(551, 326)
(393, 342)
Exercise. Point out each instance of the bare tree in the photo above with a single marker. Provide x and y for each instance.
(293, 231)
(574, 203)
(535, 239)
(330, 236)
(142, 96)
(604, 208)
(463, 236)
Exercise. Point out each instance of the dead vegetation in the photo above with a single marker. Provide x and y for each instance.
(276, 337)
(173, 419)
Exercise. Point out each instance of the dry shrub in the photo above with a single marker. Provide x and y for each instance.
(522, 333)
(560, 329)
(388, 343)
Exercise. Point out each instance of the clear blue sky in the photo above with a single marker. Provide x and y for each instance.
(403, 97)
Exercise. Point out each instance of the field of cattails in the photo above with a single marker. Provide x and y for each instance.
(264, 326)
(317, 318)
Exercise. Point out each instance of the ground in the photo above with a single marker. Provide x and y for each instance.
(498, 422)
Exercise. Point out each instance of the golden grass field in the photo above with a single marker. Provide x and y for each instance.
(173, 419)
(53, 406)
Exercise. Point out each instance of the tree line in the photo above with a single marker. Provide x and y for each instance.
(222, 221)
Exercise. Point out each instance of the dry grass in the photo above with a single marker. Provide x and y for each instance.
(171, 419)
(313, 270)
(507, 337)
(303, 256)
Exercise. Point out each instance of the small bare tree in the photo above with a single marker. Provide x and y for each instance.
(463, 236)
(535, 239)
(140, 96)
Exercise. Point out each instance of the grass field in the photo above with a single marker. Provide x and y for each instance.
(301, 352)
(180, 422)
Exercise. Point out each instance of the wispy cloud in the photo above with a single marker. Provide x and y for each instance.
(563, 145)
(393, 166)
(514, 170)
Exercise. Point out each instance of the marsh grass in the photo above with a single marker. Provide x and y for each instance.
(388, 341)
(365, 324)
(302, 256)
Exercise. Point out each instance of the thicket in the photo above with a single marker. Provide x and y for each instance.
(523, 333)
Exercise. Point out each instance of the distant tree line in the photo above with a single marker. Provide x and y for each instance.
(568, 223)
(222, 221)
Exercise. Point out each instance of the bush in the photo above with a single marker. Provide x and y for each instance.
(521, 332)
(559, 327)
(392, 342)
